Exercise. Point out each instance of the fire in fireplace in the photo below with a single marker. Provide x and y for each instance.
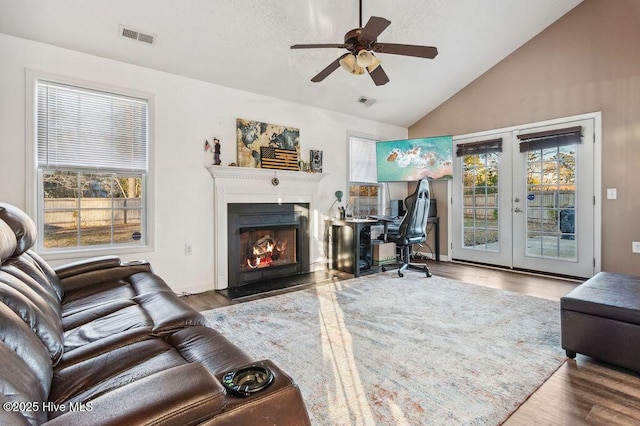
(264, 248)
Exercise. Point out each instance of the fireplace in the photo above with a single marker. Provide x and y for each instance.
(250, 186)
(267, 241)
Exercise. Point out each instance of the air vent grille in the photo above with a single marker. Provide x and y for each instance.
(145, 38)
(127, 32)
(366, 101)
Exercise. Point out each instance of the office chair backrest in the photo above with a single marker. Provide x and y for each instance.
(414, 223)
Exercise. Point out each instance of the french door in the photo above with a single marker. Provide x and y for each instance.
(528, 201)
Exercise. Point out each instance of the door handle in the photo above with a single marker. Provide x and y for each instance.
(518, 210)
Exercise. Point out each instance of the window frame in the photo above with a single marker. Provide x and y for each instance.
(34, 174)
(350, 184)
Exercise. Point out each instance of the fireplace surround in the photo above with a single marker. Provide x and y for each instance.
(267, 241)
(242, 185)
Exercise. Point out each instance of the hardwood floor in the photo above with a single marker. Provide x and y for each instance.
(581, 392)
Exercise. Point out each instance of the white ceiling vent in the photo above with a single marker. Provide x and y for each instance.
(366, 101)
(130, 33)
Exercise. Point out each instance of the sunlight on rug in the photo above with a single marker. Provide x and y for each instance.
(388, 350)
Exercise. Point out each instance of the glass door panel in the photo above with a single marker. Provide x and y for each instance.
(553, 228)
(480, 232)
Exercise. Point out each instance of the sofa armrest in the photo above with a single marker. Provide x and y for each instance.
(89, 271)
(87, 265)
(185, 395)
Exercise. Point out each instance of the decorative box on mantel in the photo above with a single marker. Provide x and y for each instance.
(233, 185)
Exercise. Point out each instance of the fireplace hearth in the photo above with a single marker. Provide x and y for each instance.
(267, 241)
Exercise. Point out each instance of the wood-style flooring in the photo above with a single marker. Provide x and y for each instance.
(581, 392)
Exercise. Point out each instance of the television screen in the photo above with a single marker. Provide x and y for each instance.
(415, 159)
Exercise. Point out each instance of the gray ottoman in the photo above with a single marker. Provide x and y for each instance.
(601, 318)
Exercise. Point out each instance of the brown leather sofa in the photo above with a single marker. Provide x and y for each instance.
(101, 342)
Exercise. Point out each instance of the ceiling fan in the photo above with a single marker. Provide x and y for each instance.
(360, 43)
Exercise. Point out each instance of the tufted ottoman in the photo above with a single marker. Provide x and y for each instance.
(601, 318)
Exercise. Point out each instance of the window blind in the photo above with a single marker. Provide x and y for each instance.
(481, 147)
(550, 138)
(363, 160)
(81, 128)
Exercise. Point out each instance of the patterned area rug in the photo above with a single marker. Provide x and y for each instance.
(388, 350)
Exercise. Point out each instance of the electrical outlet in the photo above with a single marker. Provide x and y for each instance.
(188, 250)
(635, 246)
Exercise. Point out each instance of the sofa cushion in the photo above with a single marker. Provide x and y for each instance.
(154, 313)
(20, 388)
(209, 347)
(190, 395)
(35, 312)
(608, 295)
(107, 324)
(37, 284)
(16, 335)
(106, 291)
(8, 242)
(107, 371)
(22, 225)
(52, 278)
(168, 312)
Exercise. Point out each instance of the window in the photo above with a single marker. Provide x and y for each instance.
(365, 193)
(480, 171)
(91, 151)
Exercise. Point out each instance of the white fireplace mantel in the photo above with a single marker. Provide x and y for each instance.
(247, 173)
(249, 185)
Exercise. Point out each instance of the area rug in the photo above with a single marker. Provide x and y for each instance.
(386, 350)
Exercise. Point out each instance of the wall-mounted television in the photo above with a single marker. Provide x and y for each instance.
(415, 159)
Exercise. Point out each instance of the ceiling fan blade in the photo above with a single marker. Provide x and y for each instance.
(374, 27)
(406, 50)
(317, 46)
(378, 76)
(328, 70)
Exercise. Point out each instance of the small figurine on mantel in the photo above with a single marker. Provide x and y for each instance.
(215, 150)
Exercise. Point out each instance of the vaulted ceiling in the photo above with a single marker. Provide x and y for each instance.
(245, 44)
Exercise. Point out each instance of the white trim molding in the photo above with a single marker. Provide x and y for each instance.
(248, 185)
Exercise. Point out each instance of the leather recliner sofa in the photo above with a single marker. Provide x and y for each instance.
(105, 342)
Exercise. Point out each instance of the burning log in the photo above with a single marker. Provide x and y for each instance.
(264, 251)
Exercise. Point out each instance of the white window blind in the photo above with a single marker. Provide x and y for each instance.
(81, 128)
(363, 160)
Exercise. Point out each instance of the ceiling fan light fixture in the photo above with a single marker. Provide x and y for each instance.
(374, 63)
(365, 58)
(349, 64)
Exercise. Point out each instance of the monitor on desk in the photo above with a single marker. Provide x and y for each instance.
(397, 208)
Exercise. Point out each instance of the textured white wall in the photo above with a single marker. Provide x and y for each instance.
(187, 112)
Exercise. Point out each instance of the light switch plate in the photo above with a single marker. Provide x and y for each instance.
(635, 246)
(612, 193)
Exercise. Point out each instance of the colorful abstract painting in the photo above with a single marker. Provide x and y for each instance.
(252, 135)
(414, 159)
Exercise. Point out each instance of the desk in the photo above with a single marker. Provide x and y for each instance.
(351, 253)
(350, 250)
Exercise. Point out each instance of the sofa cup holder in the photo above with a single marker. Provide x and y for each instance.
(248, 379)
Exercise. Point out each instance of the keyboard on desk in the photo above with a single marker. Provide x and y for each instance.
(390, 219)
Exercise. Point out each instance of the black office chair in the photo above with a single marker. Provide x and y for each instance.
(413, 228)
